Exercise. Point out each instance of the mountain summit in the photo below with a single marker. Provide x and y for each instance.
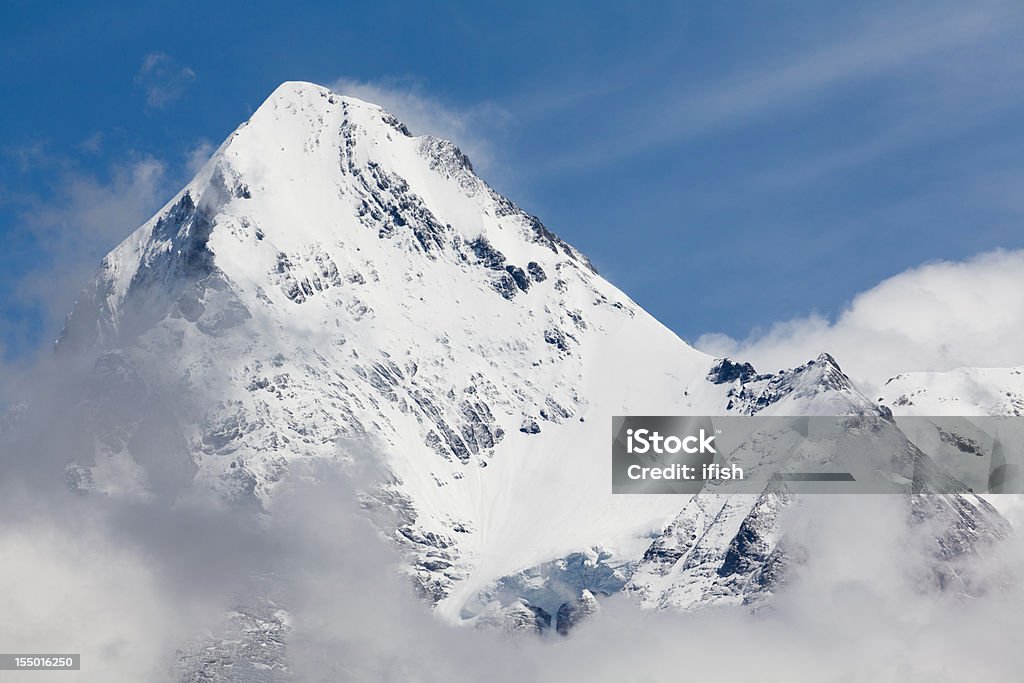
(328, 278)
(330, 286)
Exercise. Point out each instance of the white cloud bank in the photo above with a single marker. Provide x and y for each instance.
(936, 317)
(127, 594)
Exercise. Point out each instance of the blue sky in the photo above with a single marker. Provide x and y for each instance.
(728, 165)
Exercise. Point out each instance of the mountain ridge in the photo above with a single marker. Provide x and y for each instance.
(329, 286)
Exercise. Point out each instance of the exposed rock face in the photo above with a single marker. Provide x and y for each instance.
(732, 549)
(250, 646)
(572, 613)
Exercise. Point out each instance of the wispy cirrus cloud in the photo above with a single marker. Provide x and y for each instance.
(781, 79)
(163, 79)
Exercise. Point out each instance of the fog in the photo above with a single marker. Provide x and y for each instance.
(129, 583)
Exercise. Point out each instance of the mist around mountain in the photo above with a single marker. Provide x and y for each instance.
(341, 411)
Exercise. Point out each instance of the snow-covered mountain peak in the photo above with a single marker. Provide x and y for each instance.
(327, 280)
(818, 387)
(314, 179)
(329, 284)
